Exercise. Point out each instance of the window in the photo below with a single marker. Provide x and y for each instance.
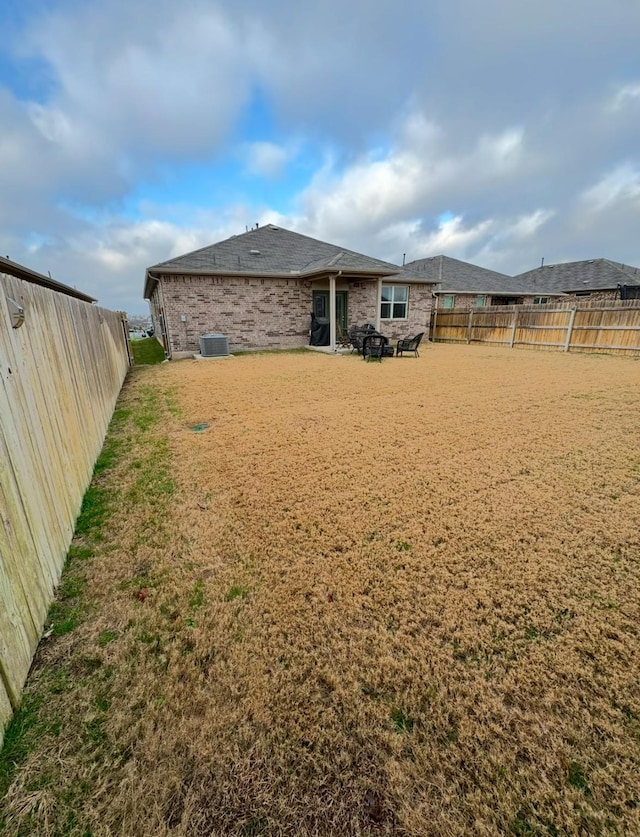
(394, 302)
(583, 293)
(540, 300)
(506, 300)
(481, 301)
(448, 300)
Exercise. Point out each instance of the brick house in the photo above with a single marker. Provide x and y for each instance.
(595, 280)
(464, 285)
(259, 289)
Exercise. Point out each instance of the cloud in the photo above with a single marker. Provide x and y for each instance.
(142, 78)
(627, 95)
(621, 184)
(412, 178)
(497, 132)
(266, 159)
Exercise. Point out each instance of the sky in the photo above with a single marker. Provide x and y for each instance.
(133, 131)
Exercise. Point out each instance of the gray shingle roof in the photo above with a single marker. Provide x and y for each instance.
(594, 274)
(271, 250)
(453, 275)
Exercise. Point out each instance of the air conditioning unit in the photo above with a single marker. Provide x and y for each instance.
(214, 345)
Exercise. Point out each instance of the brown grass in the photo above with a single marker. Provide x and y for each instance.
(390, 599)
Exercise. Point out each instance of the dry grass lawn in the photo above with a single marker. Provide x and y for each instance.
(369, 599)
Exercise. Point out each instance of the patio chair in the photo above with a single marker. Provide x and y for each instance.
(373, 346)
(409, 345)
(358, 333)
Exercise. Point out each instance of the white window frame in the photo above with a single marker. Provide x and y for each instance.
(540, 300)
(392, 302)
(446, 297)
(482, 304)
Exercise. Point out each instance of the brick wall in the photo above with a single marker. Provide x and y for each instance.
(597, 297)
(362, 302)
(252, 313)
(419, 315)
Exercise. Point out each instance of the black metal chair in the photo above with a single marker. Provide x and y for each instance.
(373, 346)
(358, 333)
(409, 345)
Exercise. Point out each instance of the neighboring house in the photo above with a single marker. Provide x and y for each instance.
(463, 285)
(599, 280)
(260, 288)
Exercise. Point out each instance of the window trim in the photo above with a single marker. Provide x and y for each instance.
(392, 302)
(445, 297)
(541, 300)
(482, 297)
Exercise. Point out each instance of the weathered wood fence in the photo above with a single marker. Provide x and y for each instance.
(60, 374)
(613, 327)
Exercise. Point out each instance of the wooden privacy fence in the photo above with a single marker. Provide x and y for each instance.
(612, 327)
(60, 373)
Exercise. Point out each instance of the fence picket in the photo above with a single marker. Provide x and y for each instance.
(610, 327)
(60, 375)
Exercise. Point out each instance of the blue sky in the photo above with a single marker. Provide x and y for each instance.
(498, 132)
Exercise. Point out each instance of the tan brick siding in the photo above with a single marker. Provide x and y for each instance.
(361, 303)
(252, 313)
(418, 316)
(597, 297)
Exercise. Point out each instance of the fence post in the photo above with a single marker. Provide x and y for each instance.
(567, 341)
(469, 325)
(514, 326)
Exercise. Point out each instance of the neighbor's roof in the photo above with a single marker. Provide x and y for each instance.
(455, 276)
(594, 274)
(271, 251)
(28, 275)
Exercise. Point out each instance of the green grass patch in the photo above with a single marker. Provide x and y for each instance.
(154, 477)
(236, 592)
(79, 553)
(402, 721)
(93, 513)
(106, 637)
(67, 609)
(148, 413)
(577, 778)
(255, 827)
(196, 599)
(146, 351)
(95, 731)
(20, 738)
